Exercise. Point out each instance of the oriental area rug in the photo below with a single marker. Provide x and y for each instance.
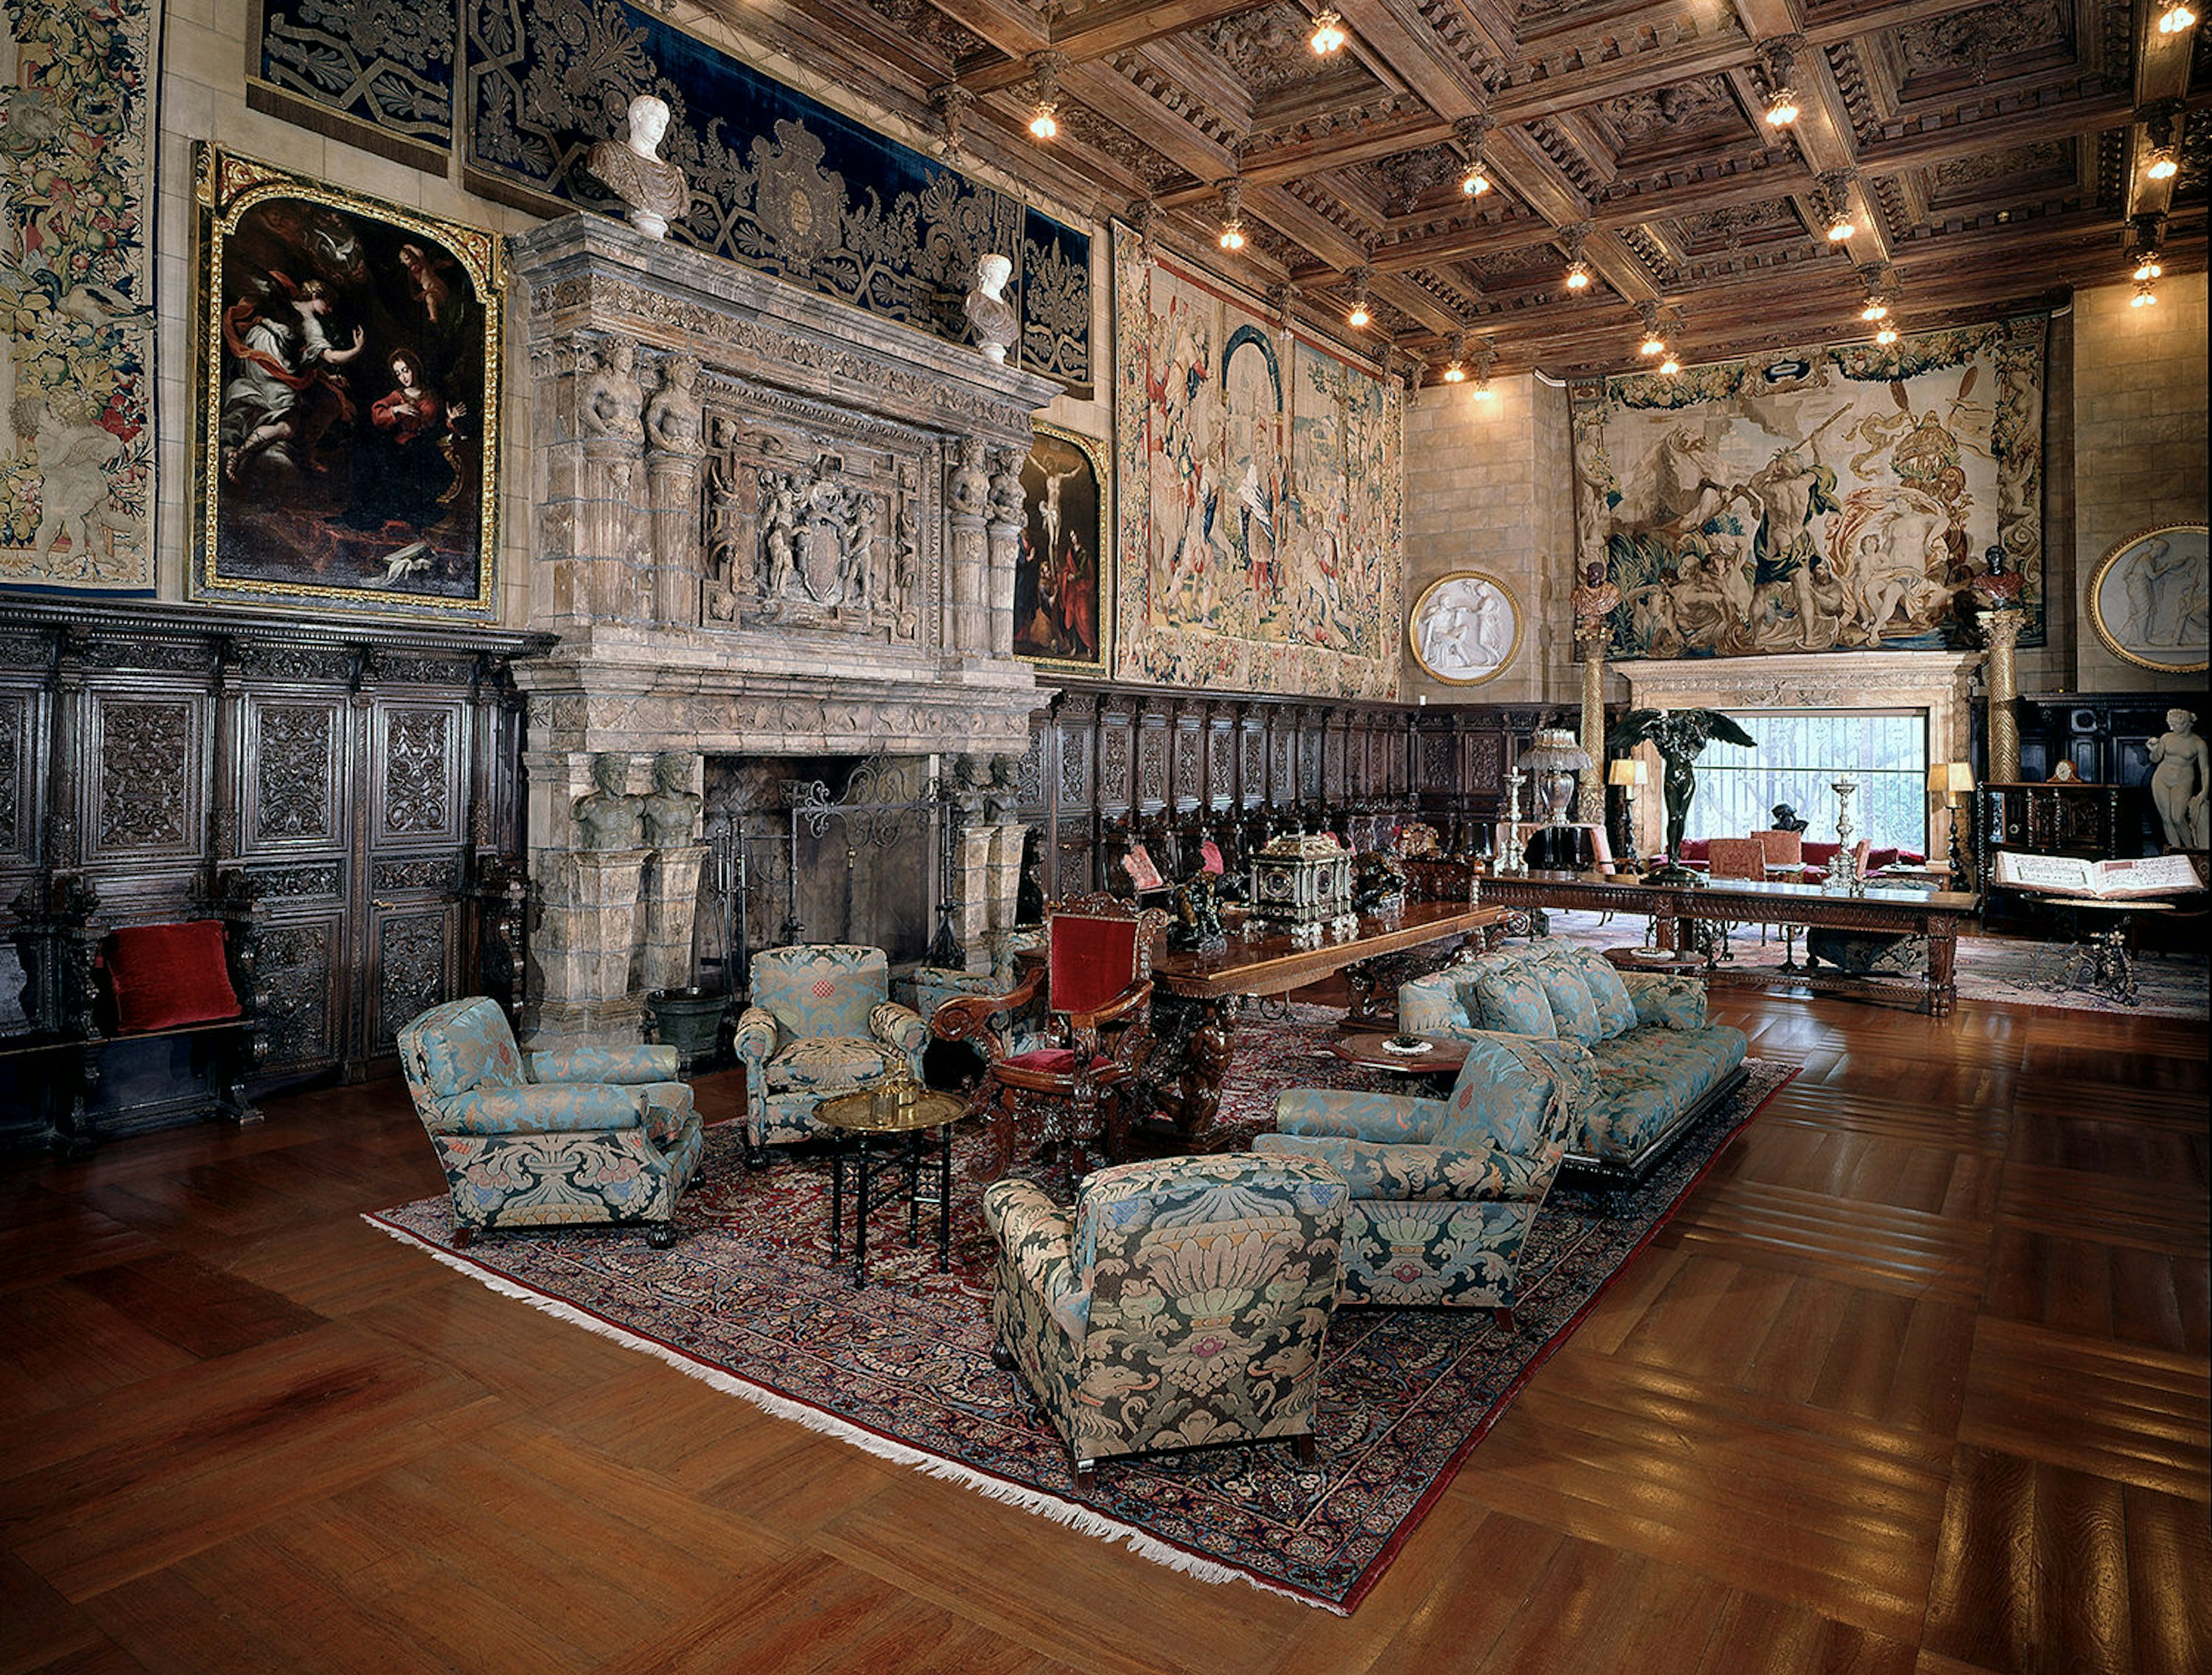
(749, 1301)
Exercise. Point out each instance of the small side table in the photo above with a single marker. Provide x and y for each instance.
(911, 1117)
(1444, 1055)
(1670, 960)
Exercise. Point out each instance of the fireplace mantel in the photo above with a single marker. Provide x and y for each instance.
(765, 523)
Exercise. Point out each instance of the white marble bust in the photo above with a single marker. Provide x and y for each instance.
(990, 316)
(655, 192)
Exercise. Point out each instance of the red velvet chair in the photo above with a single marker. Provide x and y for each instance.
(1062, 1046)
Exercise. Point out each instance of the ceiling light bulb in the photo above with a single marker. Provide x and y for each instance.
(2146, 294)
(1476, 182)
(1232, 235)
(1578, 276)
(1327, 34)
(1782, 108)
(2174, 19)
(2164, 165)
(1670, 365)
(1886, 336)
(1876, 309)
(1841, 228)
(1044, 125)
(1358, 315)
(1655, 344)
(1482, 387)
(2149, 268)
(1455, 373)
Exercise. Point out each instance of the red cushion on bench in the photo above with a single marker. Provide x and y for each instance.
(164, 975)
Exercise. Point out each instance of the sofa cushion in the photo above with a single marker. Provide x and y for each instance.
(1616, 1011)
(1647, 1078)
(166, 975)
(833, 1063)
(1574, 1010)
(1510, 999)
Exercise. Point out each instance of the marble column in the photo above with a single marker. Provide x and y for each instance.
(2001, 631)
(1592, 600)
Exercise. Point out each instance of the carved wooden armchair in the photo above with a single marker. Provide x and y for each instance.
(1062, 1046)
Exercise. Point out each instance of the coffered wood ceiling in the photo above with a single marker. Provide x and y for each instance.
(1992, 156)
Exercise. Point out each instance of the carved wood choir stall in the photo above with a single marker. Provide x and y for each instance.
(353, 794)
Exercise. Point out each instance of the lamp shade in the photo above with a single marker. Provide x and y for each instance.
(1627, 771)
(1556, 750)
(1950, 779)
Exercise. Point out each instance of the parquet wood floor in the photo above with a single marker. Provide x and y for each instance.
(1915, 1384)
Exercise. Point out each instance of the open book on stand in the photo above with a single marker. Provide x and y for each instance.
(2105, 881)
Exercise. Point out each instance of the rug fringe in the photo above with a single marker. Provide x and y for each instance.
(1083, 1520)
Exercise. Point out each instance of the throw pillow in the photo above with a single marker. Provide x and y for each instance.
(1615, 1010)
(1574, 1012)
(1514, 1002)
(166, 975)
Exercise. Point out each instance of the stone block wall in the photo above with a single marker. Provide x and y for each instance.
(2139, 453)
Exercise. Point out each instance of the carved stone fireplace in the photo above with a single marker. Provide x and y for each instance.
(766, 526)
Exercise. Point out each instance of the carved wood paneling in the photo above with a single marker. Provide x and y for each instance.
(293, 791)
(417, 751)
(148, 765)
(1151, 763)
(414, 961)
(298, 970)
(1189, 752)
(17, 809)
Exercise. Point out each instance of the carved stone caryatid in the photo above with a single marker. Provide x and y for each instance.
(1593, 600)
(608, 816)
(1005, 547)
(610, 421)
(587, 933)
(671, 892)
(655, 192)
(675, 443)
(968, 493)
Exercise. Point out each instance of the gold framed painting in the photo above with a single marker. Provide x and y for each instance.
(2147, 599)
(1464, 628)
(346, 385)
(1063, 579)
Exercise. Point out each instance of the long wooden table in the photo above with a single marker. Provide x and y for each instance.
(1894, 909)
(1195, 996)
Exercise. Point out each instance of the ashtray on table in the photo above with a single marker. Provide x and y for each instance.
(1408, 1044)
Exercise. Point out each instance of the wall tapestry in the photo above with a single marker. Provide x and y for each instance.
(779, 181)
(377, 74)
(1820, 499)
(77, 281)
(1063, 589)
(346, 397)
(1261, 539)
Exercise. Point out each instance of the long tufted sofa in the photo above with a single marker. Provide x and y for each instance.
(1648, 1062)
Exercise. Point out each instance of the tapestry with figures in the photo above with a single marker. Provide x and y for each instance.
(1259, 482)
(1818, 499)
(779, 181)
(76, 283)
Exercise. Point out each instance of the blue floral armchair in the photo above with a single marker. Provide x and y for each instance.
(1444, 1191)
(585, 1136)
(1183, 1303)
(821, 1023)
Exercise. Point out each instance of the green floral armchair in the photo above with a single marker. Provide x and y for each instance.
(582, 1136)
(822, 1022)
(1444, 1191)
(1183, 1303)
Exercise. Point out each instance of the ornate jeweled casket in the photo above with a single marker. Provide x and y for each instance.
(1302, 879)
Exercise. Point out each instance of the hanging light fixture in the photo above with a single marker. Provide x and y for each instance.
(1782, 97)
(1471, 131)
(1669, 366)
(1887, 333)
(1455, 367)
(2148, 266)
(1834, 200)
(1876, 278)
(1356, 316)
(2175, 18)
(1327, 35)
(1578, 270)
(1231, 236)
(1485, 355)
(2165, 163)
(1654, 341)
(2146, 294)
(1044, 120)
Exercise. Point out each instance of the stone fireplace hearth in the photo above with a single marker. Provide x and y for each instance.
(766, 526)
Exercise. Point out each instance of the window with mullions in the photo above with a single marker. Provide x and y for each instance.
(1801, 755)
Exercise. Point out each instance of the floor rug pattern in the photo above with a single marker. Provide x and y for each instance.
(2009, 971)
(749, 1301)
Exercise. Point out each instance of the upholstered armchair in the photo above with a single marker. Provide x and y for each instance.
(1060, 1047)
(1444, 1191)
(577, 1138)
(822, 1022)
(1181, 1304)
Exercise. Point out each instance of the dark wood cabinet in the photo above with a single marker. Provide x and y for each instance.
(364, 779)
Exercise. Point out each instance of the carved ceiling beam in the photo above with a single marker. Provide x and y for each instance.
(1008, 25)
(1105, 31)
(2066, 121)
(1111, 95)
(1822, 135)
(1835, 24)
(1343, 251)
(1315, 157)
(2162, 65)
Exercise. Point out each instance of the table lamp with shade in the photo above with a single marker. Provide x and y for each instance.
(1629, 772)
(1556, 758)
(1949, 781)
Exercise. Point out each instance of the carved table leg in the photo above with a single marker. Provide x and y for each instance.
(1192, 1041)
(1360, 983)
(1942, 958)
